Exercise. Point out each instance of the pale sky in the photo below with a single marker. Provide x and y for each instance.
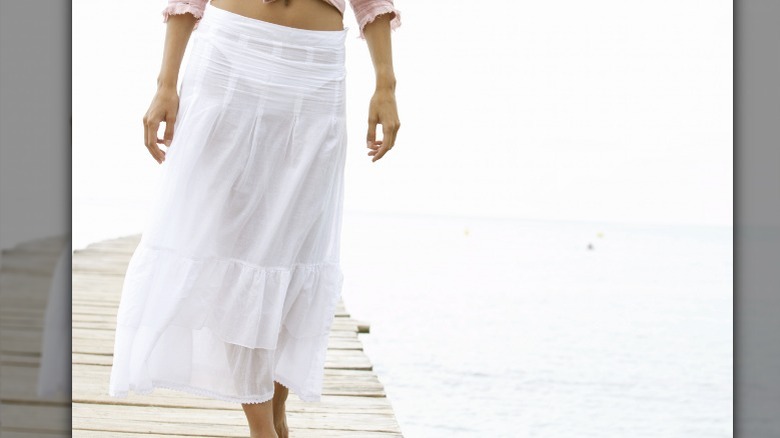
(562, 110)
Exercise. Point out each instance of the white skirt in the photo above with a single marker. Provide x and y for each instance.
(236, 278)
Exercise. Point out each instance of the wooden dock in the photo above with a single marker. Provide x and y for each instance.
(353, 403)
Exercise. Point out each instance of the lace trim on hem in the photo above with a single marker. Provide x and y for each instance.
(395, 22)
(192, 390)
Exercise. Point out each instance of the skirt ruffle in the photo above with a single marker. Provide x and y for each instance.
(223, 328)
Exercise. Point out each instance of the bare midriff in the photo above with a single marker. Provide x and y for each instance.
(301, 14)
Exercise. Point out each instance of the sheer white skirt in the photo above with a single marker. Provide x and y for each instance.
(236, 278)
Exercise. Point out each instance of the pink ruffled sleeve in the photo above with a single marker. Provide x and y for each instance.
(367, 10)
(194, 7)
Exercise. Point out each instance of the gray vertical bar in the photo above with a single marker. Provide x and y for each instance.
(35, 212)
(757, 214)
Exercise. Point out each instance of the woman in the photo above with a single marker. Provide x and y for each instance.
(232, 289)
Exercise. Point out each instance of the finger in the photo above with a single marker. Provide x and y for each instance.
(380, 153)
(374, 147)
(146, 132)
(388, 140)
(168, 137)
(371, 135)
(389, 135)
(146, 138)
(152, 126)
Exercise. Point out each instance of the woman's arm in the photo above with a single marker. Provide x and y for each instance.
(382, 109)
(165, 103)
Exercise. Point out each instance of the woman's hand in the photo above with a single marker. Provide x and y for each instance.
(382, 110)
(163, 108)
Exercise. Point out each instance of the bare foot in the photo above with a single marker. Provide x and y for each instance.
(280, 413)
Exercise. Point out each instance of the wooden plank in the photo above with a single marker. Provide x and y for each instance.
(163, 419)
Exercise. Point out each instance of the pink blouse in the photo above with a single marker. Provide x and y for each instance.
(365, 10)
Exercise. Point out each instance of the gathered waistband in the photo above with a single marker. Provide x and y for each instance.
(220, 19)
(253, 65)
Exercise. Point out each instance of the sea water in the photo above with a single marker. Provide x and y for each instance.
(515, 328)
